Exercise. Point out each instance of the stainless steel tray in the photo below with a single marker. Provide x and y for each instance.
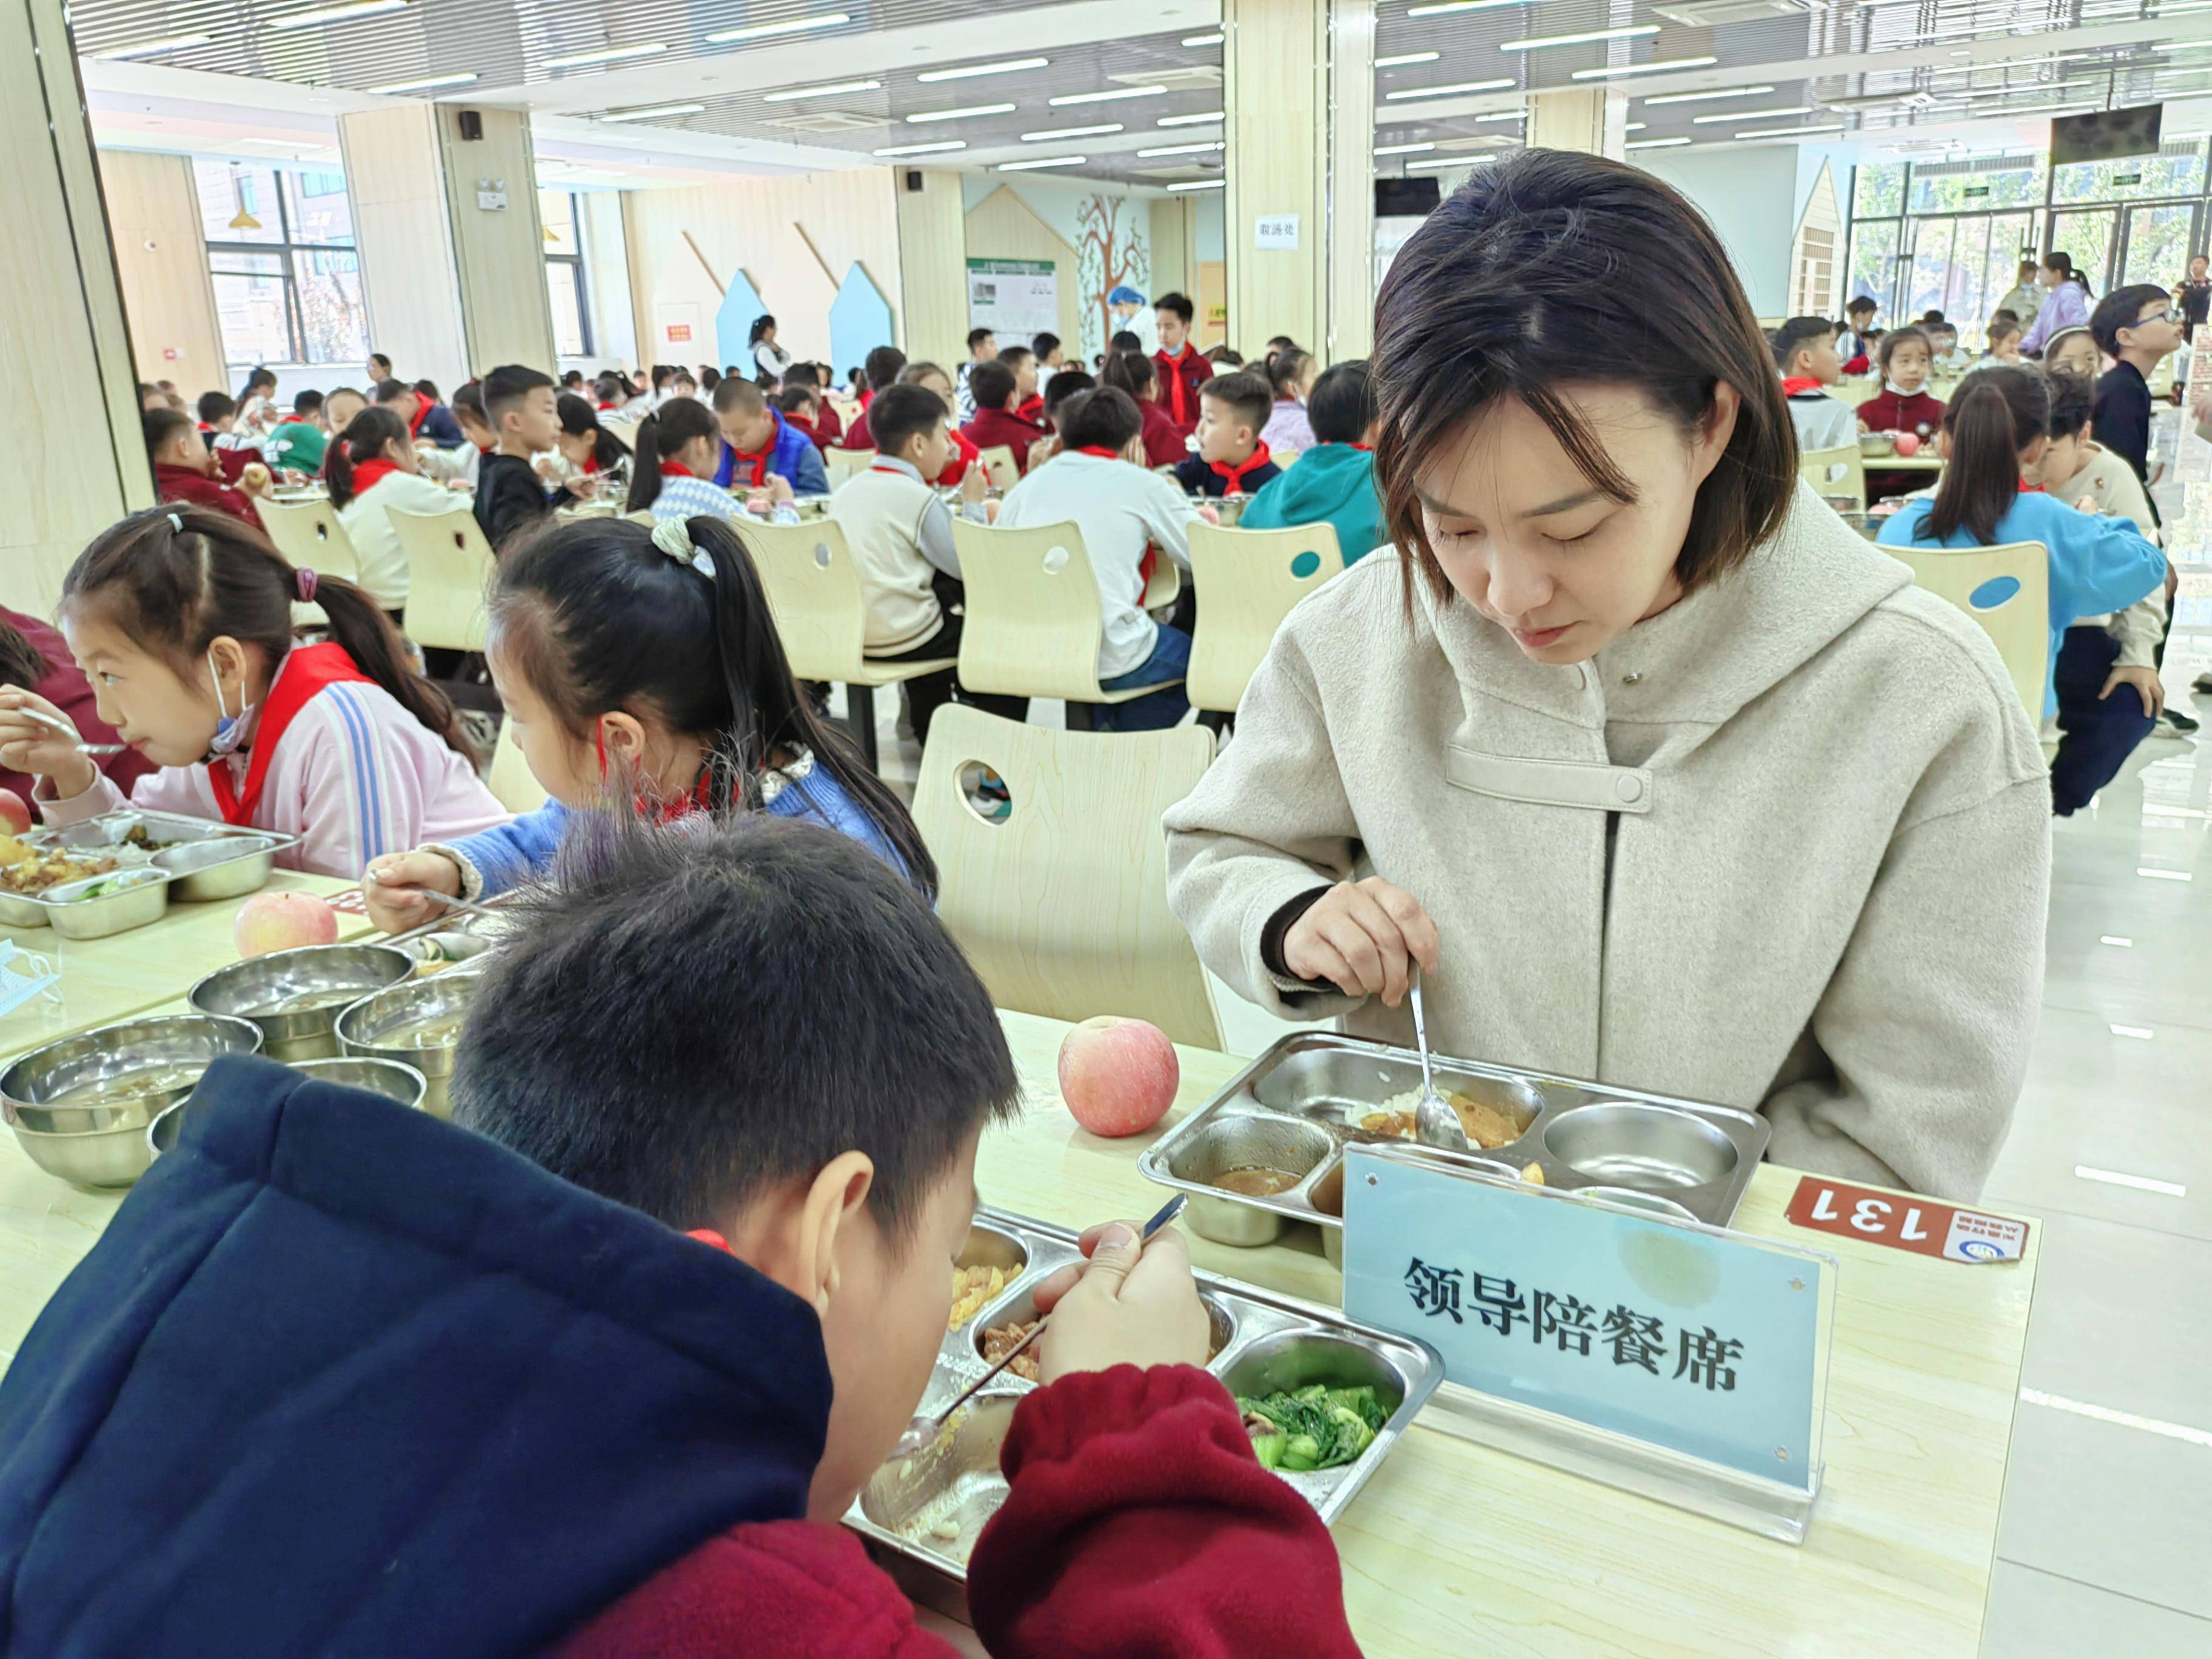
(1263, 1342)
(199, 878)
(1294, 1107)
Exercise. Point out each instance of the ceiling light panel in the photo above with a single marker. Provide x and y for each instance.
(835, 88)
(969, 112)
(828, 20)
(969, 71)
(1658, 67)
(1453, 89)
(1111, 95)
(1702, 97)
(1539, 43)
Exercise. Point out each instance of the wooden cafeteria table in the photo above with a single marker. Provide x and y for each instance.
(1453, 1549)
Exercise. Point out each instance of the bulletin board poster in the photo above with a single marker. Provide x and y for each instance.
(1014, 297)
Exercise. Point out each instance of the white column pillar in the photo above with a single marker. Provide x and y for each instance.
(499, 242)
(405, 240)
(1591, 120)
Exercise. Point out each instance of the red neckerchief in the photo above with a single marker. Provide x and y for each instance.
(1177, 391)
(661, 811)
(604, 407)
(867, 396)
(2027, 489)
(422, 414)
(966, 456)
(1796, 383)
(758, 463)
(306, 670)
(678, 470)
(370, 474)
(803, 422)
(1370, 448)
(591, 463)
(204, 426)
(1100, 451)
(1232, 476)
(1033, 409)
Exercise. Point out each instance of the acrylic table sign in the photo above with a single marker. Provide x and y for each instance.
(1661, 1355)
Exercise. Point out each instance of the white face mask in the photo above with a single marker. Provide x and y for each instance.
(229, 730)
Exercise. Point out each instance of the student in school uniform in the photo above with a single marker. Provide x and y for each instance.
(800, 405)
(1028, 402)
(1903, 405)
(677, 446)
(427, 418)
(588, 449)
(340, 743)
(298, 442)
(1232, 460)
(758, 444)
(1805, 352)
(1182, 367)
(2136, 327)
(1290, 374)
(1626, 692)
(372, 468)
(1125, 512)
(997, 391)
(829, 427)
(1333, 482)
(233, 451)
(184, 469)
(35, 658)
(1856, 344)
(964, 453)
(1059, 391)
(882, 367)
(521, 404)
(1137, 375)
(982, 348)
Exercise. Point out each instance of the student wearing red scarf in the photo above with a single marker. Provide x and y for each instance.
(759, 443)
(427, 418)
(1183, 368)
(184, 467)
(1805, 352)
(370, 469)
(996, 388)
(1231, 460)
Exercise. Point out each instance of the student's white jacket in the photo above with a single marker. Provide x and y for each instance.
(367, 521)
(1784, 846)
(1122, 510)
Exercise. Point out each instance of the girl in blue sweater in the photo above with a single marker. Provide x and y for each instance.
(641, 668)
(1997, 424)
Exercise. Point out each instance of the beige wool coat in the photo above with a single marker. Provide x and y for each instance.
(1784, 846)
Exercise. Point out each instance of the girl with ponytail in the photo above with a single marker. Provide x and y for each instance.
(1996, 428)
(182, 619)
(372, 467)
(642, 671)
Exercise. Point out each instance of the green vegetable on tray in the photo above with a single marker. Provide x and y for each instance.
(1316, 1427)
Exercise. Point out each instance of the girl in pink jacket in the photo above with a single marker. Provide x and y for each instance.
(182, 619)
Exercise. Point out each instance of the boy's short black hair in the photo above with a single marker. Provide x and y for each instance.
(1795, 335)
(213, 406)
(793, 399)
(1225, 354)
(2118, 310)
(736, 395)
(654, 1028)
(391, 389)
(2073, 403)
(1861, 307)
(977, 336)
(1125, 339)
(468, 399)
(1044, 345)
(1248, 397)
(1062, 386)
(990, 384)
(508, 385)
(160, 425)
(428, 389)
(1014, 356)
(1341, 408)
(1178, 303)
(802, 374)
(1104, 419)
(307, 402)
(900, 411)
(883, 366)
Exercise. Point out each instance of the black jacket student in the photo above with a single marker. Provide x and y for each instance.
(509, 496)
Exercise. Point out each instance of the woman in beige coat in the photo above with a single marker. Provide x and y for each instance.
(1664, 775)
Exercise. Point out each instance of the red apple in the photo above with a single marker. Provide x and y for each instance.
(1908, 443)
(14, 816)
(283, 921)
(1118, 1075)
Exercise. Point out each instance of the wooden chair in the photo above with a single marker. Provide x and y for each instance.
(511, 781)
(1834, 473)
(2005, 588)
(309, 535)
(1062, 903)
(449, 567)
(820, 611)
(1247, 580)
(1033, 621)
(839, 465)
(1000, 467)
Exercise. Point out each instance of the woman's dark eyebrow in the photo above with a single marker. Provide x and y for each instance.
(1564, 504)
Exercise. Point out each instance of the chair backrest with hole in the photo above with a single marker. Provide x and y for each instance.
(309, 535)
(1247, 582)
(2005, 588)
(1285, 458)
(839, 465)
(511, 781)
(1060, 896)
(814, 590)
(1034, 620)
(449, 569)
(1835, 473)
(998, 466)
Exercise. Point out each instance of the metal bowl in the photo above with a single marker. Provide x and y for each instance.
(220, 867)
(102, 1158)
(118, 1076)
(387, 1078)
(143, 898)
(1640, 1145)
(296, 997)
(417, 1023)
(1877, 444)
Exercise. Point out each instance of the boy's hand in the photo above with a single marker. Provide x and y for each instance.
(1364, 937)
(974, 486)
(1127, 1308)
(779, 489)
(407, 887)
(585, 486)
(32, 745)
(2147, 685)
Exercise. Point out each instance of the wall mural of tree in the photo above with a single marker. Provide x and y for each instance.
(1110, 254)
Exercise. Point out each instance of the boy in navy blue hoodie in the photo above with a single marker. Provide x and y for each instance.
(599, 1377)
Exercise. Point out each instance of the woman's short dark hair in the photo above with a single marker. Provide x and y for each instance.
(2073, 403)
(1342, 405)
(1998, 412)
(1897, 339)
(1512, 289)
(1104, 419)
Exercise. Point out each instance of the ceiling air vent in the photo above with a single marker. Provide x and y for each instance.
(1705, 14)
(828, 120)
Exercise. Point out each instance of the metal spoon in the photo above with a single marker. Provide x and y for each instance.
(67, 730)
(470, 905)
(923, 1429)
(1435, 1123)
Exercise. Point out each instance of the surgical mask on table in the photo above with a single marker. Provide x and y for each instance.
(23, 976)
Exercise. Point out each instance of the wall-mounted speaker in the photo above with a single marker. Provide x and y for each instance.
(914, 179)
(471, 125)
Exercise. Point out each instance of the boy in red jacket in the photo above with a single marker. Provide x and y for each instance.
(1182, 367)
(996, 387)
(184, 469)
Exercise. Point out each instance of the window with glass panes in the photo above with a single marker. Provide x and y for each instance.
(562, 214)
(280, 253)
(1949, 235)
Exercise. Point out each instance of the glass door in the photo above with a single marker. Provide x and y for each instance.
(2160, 242)
(2087, 234)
